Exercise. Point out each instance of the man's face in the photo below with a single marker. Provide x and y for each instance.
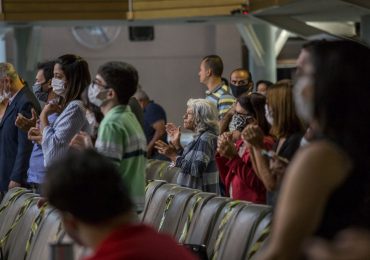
(262, 88)
(203, 73)
(239, 78)
(40, 79)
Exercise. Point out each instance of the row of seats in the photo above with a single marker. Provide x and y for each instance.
(26, 230)
(229, 229)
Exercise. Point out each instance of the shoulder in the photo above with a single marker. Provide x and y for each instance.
(322, 160)
(75, 104)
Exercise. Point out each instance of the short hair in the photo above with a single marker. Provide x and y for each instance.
(88, 186)
(215, 64)
(243, 70)
(255, 104)
(205, 115)
(7, 70)
(47, 68)
(76, 71)
(266, 82)
(281, 103)
(141, 95)
(121, 77)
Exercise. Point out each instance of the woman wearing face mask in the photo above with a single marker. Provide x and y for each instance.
(234, 161)
(327, 186)
(197, 159)
(286, 127)
(71, 77)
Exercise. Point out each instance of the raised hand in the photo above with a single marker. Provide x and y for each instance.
(253, 134)
(225, 146)
(35, 135)
(167, 150)
(174, 133)
(25, 123)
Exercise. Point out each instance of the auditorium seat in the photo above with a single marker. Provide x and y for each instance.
(239, 232)
(16, 221)
(201, 227)
(167, 206)
(191, 213)
(150, 188)
(49, 231)
(229, 229)
(161, 170)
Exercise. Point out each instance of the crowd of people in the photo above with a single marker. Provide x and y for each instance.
(298, 145)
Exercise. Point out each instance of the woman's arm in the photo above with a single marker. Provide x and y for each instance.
(311, 178)
(56, 138)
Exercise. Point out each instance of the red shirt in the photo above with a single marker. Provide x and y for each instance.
(238, 174)
(137, 242)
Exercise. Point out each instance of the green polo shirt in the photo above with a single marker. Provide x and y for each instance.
(121, 138)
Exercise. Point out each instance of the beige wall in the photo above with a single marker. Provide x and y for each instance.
(168, 66)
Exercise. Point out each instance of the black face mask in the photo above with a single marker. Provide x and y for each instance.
(238, 90)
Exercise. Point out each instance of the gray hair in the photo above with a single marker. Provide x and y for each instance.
(205, 115)
(141, 95)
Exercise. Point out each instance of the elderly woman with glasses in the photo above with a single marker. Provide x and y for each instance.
(197, 159)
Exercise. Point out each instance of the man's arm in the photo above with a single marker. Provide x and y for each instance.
(160, 130)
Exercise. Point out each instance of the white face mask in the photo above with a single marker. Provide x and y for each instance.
(58, 86)
(303, 106)
(268, 115)
(4, 95)
(96, 95)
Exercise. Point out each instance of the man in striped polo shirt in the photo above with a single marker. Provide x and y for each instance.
(210, 73)
(120, 136)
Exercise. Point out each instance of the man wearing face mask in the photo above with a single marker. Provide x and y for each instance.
(42, 87)
(120, 136)
(15, 148)
(240, 83)
(43, 92)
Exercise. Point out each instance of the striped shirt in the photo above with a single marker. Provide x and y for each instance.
(121, 138)
(222, 98)
(56, 136)
(198, 164)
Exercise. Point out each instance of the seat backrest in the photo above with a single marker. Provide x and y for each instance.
(167, 207)
(9, 215)
(48, 231)
(169, 174)
(200, 228)
(150, 189)
(154, 168)
(260, 237)
(10, 197)
(239, 232)
(192, 210)
(221, 226)
(17, 235)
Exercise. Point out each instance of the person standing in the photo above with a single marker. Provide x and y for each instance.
(154, 123)
(15, 148)
(218, 93)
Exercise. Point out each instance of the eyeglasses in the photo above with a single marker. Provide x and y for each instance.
(100, 85)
